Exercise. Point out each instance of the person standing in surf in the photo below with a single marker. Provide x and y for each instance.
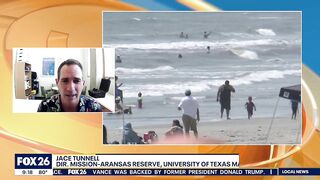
(224, 96)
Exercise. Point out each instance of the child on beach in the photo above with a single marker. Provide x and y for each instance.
(250, 106)
(140, 100)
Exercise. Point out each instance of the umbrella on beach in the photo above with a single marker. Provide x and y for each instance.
(291, 93)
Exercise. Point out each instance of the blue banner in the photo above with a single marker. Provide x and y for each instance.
(166, 172)
(299, 171)
(33, 161)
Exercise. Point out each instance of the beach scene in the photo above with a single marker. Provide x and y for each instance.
(161, 54)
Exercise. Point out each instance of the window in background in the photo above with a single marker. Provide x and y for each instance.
(48, 66)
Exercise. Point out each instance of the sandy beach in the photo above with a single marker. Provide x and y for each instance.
(235, 131)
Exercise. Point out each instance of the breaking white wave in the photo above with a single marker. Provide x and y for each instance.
(138, 70)
(136, 19)
(266, 32)
(246, 54)
(177, 45)
(260, 76)
(163, 89)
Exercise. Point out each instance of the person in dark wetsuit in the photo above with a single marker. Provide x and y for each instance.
(224, 96)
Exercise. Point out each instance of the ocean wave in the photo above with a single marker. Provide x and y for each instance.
(177, 74)
(136, 19)
(260, 76)
(275, 60)
(246, 54)
(199, 44)
(266, 32)
(234, 34)
(165, 89)
(138, 70)
(172, 89)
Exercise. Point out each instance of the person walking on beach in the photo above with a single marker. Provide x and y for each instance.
(294, 108)
(250, 106)
(190, 116)
(224, 96)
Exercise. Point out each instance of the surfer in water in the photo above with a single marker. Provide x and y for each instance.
(206, 34)
(118, 59)
(181, 35)
(208, 49)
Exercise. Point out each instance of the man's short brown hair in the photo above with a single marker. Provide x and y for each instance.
(69, 62)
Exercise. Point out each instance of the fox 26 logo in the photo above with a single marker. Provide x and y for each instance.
(33, 161)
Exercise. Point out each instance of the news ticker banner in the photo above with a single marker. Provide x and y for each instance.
(144, 164)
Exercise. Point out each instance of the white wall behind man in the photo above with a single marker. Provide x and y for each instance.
(102, 66)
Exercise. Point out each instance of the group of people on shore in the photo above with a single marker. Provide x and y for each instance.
(190, 107)
(224, 97)
(191, 116)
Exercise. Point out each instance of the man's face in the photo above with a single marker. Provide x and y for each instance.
(70, 83)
